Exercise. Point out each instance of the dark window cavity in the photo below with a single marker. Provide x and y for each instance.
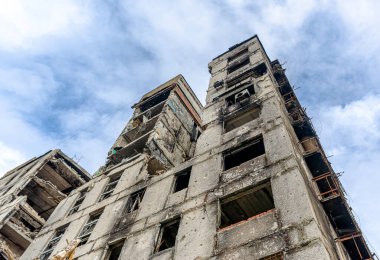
(241, 119)
(88, 228)
(246, 204)
(182, 180)
(53, 243)
(238, 54)
(168, 234)
(78, 202)
(245, 152)
(237, 65)
(110, 187)
(114, 251)
(134, 200)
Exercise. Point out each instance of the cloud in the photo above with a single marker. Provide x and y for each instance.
(9, 156)
(24, 23)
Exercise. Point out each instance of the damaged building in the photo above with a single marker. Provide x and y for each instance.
(244, 177)
(29, 195)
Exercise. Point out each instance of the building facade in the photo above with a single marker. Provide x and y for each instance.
(244, 177)
(29, 194)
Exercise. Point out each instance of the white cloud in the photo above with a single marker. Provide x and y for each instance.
(9, 158)
(354, 125)
(23, 22)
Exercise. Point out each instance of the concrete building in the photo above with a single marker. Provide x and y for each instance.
(244, 177)
(29, 195)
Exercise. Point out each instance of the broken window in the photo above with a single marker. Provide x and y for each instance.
(114, 251)
(246, 204)
(241, 119)
(88, 228)
(182, 180)
(155, 100)
(53, 243)
(238, 54)
(245, 152)
(110, 187)
(134, 200)
(240, 97)
(278, 256)
(237, 65)
(168, 234)
(78, 202)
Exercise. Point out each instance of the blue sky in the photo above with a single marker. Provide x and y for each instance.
(71, 69)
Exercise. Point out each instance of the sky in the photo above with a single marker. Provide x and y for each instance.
(71, 69)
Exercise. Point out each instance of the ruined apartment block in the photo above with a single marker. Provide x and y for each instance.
(244, 177)
(29, 195)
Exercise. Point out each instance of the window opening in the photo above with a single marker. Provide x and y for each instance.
(245, 152)
(53, 243)
(237, 65)
(115, 251)
(240, 97)
(88, 228)
(238, 54)
(242, 119)
(182, 180)
(246, 204)
(168, 234)
(110, 187)
(78, 202)
(134, 200)
(154, 100)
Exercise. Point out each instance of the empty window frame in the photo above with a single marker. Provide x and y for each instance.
(237, 65)
(168, 234)
(53, 243)
(246, 204)
(78, 202)
(238, 54)
(134, 200)
(182, 180)
(110, 187)
(155, 100)
(88, 228)
(114, 251)
(241, 96)
(241, 119)
(245, 152)
(277, 256)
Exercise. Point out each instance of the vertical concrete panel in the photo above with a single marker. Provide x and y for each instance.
(93, 195)
(210, 138)
(71, 233)
(205, 175)
(107, 219)
(130, 177)
(63, 207)
(196, 234)
(270, 109)
(36, 247)
(155, 197)
(139, 246)
(291, 198)
(277, 144)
